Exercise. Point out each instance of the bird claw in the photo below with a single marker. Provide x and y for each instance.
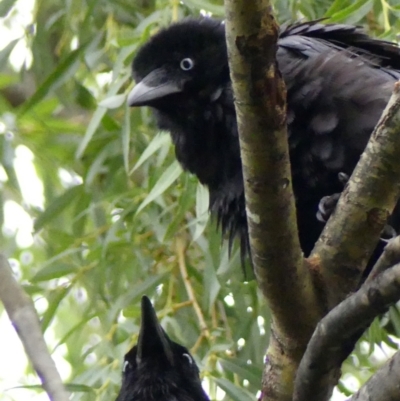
(327, 206)
(388, 233)
(328, 203)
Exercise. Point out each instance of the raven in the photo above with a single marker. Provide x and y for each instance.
(338, 82)
(158, 369)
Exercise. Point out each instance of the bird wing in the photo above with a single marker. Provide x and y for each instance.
(309, 37)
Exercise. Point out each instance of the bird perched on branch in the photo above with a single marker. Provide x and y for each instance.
(158, 369)
(338, 82)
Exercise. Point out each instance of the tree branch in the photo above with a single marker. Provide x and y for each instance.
(259, 90)
(22, 314)
(383, 385)
(390, 256)
(336, 334)
(351, 234)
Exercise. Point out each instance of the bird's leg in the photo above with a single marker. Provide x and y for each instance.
(328, 204)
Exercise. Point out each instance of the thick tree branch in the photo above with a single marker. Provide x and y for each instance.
(23, 316)
(260, 94)
(337, 333)
(352, 232)
(383, 385)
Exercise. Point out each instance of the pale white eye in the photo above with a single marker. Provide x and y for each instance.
(126, 366)
(188, 357)
(187, 64)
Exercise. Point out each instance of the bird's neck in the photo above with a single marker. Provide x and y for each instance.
(205, 137)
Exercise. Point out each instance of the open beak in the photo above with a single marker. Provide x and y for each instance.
(153, 86)
(153, 341)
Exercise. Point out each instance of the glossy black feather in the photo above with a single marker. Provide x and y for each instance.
(338, 81)
(158, 369)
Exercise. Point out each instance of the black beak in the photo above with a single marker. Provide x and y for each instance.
(153, 341)
(153, 86)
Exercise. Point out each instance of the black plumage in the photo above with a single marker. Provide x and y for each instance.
(338, 82)
(158, 369)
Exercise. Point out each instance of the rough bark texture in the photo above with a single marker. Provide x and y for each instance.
(23, 316)
(352, 232)
(389, 257)
(337, 333)
(282, 275)
(384, 385)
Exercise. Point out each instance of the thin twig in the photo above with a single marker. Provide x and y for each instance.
(196, 345)
(180, 250)
(23, 316)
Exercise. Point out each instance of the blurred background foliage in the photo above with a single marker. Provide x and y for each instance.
(96, 211)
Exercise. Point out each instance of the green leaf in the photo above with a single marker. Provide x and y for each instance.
(5, 7)
(395, 319)
(6, 51)
(54, 271)
(169, 176)
(63, 70)
(353, 13)
(54, 300)
(57, 206)
(202, 215)
(126, 138)
(336, 6)
(134, 294)
(234, 392)
(98, 116)
(75, 388)
(243, 370)
(157, 142)
(113, 102)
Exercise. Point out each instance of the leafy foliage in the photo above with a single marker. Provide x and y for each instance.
(119, 217)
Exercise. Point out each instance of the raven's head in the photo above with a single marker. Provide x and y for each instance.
(186, 60)
(157, 368)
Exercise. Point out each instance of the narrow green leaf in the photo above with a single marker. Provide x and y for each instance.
(133, 295)
(6, 51)
(212, 285)
(336, 6)
(234, 392)
(54, 271)
(76, 328)
(91, 129)
(57, 206)
(54, 300)
(202, 215)
(395, 319)
(157, 142)
(5, 7)
(98, 116)
(59, 74)
(113, 102)
(242, 369)
(169, 176)
(126, 138)
(75, 388)
(353, 13)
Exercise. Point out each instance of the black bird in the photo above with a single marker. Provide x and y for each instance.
(338, 82)
(158, 369)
